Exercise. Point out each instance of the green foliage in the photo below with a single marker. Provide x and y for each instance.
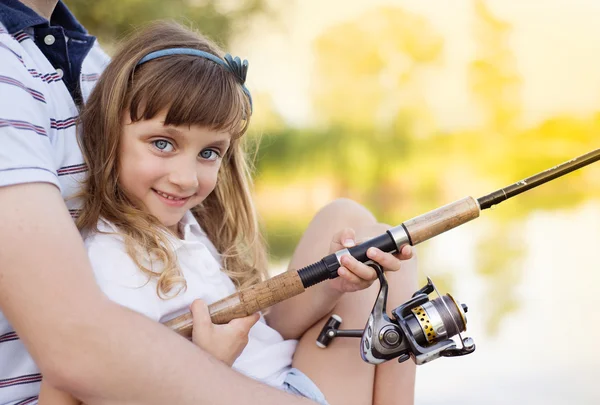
(365, 66)
(493, 76)
(109, 20)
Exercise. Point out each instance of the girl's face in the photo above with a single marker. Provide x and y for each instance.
(169, 169)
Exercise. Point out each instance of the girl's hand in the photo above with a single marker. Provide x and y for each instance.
(355, 275)
(225, 342)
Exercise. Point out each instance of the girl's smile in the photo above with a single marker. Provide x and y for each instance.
(172, 200)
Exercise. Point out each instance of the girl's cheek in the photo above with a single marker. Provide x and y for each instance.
(209, 180)
(152, 166)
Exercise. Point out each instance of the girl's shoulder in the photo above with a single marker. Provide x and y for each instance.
(109, 258)
(106, 236)
(117, 274)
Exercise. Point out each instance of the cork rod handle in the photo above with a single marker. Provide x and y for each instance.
(442, 219)
(244, 302)
(279, 288)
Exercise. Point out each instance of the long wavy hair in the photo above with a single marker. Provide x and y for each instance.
(193, 91)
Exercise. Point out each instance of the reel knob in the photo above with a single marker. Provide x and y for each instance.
(391, 337)
(329, 331)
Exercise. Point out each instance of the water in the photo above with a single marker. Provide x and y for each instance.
(543, 349)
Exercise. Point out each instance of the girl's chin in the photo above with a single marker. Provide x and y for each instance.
(170, 222)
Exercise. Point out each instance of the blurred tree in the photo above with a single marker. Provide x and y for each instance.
(367, 69)
(109, 20)
(494, 80)
(506, 151)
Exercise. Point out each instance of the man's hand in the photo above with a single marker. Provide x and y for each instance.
(224, 342)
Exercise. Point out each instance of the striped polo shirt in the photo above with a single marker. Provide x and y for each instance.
(46, 67)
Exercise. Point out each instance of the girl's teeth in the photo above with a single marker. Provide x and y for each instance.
(168, 196)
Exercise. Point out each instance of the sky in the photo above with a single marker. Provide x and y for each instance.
(556, 45)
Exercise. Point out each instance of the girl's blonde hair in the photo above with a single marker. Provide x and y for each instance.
(193, 91)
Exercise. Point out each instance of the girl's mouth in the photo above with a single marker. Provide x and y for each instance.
(171, 199)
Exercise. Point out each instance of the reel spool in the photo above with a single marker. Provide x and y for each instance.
(421, 329)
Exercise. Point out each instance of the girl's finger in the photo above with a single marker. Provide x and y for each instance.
(406, 253)
(246, 323)
(352, 278)
(360, 270)
(200, 313)
(387, 260)
(345, 238)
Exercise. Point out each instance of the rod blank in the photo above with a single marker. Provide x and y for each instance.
(519, 187)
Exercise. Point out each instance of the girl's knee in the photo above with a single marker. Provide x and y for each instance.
(347, 212)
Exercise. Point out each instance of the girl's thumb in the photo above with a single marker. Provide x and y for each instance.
(200, 312)
(247, 322)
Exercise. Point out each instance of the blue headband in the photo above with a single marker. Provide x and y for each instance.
(234, 65)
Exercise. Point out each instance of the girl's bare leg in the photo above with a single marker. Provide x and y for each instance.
(339, 370)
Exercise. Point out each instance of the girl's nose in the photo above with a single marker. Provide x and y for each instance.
(185, 176)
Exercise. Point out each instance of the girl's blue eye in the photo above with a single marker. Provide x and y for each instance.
(209, 154)
(162, 145)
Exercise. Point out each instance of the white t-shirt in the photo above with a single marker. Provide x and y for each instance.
(267, 357)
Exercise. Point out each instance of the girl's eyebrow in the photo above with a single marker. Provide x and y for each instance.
(223, 143)
(174, 132)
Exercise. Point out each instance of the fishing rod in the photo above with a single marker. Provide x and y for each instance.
(420, 328)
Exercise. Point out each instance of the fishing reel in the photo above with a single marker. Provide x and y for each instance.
(420, 328)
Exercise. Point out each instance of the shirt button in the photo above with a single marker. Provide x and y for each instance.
(49, 39)
(59, 72)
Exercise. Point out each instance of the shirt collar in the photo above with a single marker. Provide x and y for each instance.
(189, 227)
(15, 16)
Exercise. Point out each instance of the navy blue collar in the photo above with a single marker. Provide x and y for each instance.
(16, 16)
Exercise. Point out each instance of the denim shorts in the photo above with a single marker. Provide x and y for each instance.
(298, 383)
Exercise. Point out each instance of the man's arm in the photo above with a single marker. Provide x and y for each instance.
(84, 343)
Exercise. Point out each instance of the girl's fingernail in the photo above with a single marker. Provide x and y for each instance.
(348, 243)
(372, 252)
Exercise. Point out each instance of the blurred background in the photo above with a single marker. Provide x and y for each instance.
(408, 105)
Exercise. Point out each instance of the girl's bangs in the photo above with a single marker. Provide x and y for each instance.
(193, 91)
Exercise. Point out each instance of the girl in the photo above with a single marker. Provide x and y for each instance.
(167, 219)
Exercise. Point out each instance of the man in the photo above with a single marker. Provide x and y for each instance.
(53, 314)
